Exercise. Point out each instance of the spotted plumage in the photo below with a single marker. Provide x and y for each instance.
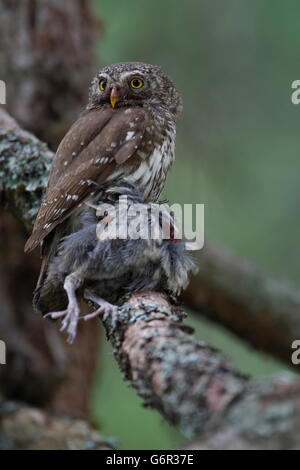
(127, 132)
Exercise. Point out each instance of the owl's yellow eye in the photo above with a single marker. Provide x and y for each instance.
(102, 84)
(136, 83)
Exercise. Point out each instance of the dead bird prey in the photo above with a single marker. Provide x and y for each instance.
(111, 256)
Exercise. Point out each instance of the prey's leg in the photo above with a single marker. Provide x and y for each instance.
(105, 308)
(69, 316)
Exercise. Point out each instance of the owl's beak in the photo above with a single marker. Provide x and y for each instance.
(115, 97)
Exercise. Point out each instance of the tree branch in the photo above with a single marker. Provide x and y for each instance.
(25, 164)
(197, 389)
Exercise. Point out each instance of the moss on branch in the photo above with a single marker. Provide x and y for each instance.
(25, 165)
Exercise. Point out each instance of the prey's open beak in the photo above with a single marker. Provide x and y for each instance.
(115, 97)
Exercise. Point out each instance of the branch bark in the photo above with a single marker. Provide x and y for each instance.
(196, 388)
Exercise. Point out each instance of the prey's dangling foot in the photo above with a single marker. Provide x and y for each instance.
(70, 316)
(105, 308)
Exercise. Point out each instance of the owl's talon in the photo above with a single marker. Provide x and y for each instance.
(105, 309)
(113, 313)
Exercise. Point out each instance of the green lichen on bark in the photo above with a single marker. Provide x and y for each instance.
(24, 168)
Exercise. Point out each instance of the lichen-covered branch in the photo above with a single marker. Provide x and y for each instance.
(25, 164)
(194, 387)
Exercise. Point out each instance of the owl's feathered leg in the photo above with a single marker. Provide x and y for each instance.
(105, 308)
(71, 314)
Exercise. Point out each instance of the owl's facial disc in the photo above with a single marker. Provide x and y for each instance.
(134, 84)
(127, 88)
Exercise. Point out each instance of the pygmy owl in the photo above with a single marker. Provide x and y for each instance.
(126, 132)
(105, 269)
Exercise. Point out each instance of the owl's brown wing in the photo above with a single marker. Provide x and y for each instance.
(91, 151)
(81, 133)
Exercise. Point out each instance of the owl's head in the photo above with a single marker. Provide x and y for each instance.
(134, 84)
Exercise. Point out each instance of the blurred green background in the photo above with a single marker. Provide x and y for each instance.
(238, 153)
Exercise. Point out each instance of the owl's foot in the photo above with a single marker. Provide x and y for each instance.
(105, 309)
(70, 316)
